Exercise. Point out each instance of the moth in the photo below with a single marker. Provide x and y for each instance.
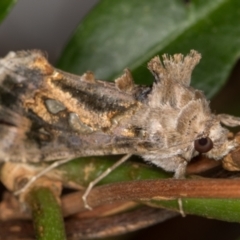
(50, 115)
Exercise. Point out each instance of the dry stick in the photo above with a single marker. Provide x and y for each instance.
(78, 228)
(117, 224)
(168, 188)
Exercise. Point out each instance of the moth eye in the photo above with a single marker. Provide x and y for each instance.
(203, 145)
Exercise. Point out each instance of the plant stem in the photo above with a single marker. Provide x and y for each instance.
(46, 213)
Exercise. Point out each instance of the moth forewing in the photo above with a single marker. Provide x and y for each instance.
(69, 116)
(47, 114)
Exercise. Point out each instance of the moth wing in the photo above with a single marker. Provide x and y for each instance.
(14, 143)
(25, 139)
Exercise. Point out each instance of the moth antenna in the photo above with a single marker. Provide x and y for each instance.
(125, 82)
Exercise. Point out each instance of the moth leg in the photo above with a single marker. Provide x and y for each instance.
(229, 120)
(99, 178)
(180, 206)
(40, 174)
(180, 173)
(181, 170)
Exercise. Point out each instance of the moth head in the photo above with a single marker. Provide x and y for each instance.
(202, 130)
(221, 144)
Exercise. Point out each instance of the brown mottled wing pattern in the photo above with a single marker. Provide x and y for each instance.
(47, 114)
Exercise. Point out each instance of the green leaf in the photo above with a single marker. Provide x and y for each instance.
(84, 170)
(120, 34)
(5, 7)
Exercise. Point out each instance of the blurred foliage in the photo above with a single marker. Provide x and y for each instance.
(120, 34)
(5, 7)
